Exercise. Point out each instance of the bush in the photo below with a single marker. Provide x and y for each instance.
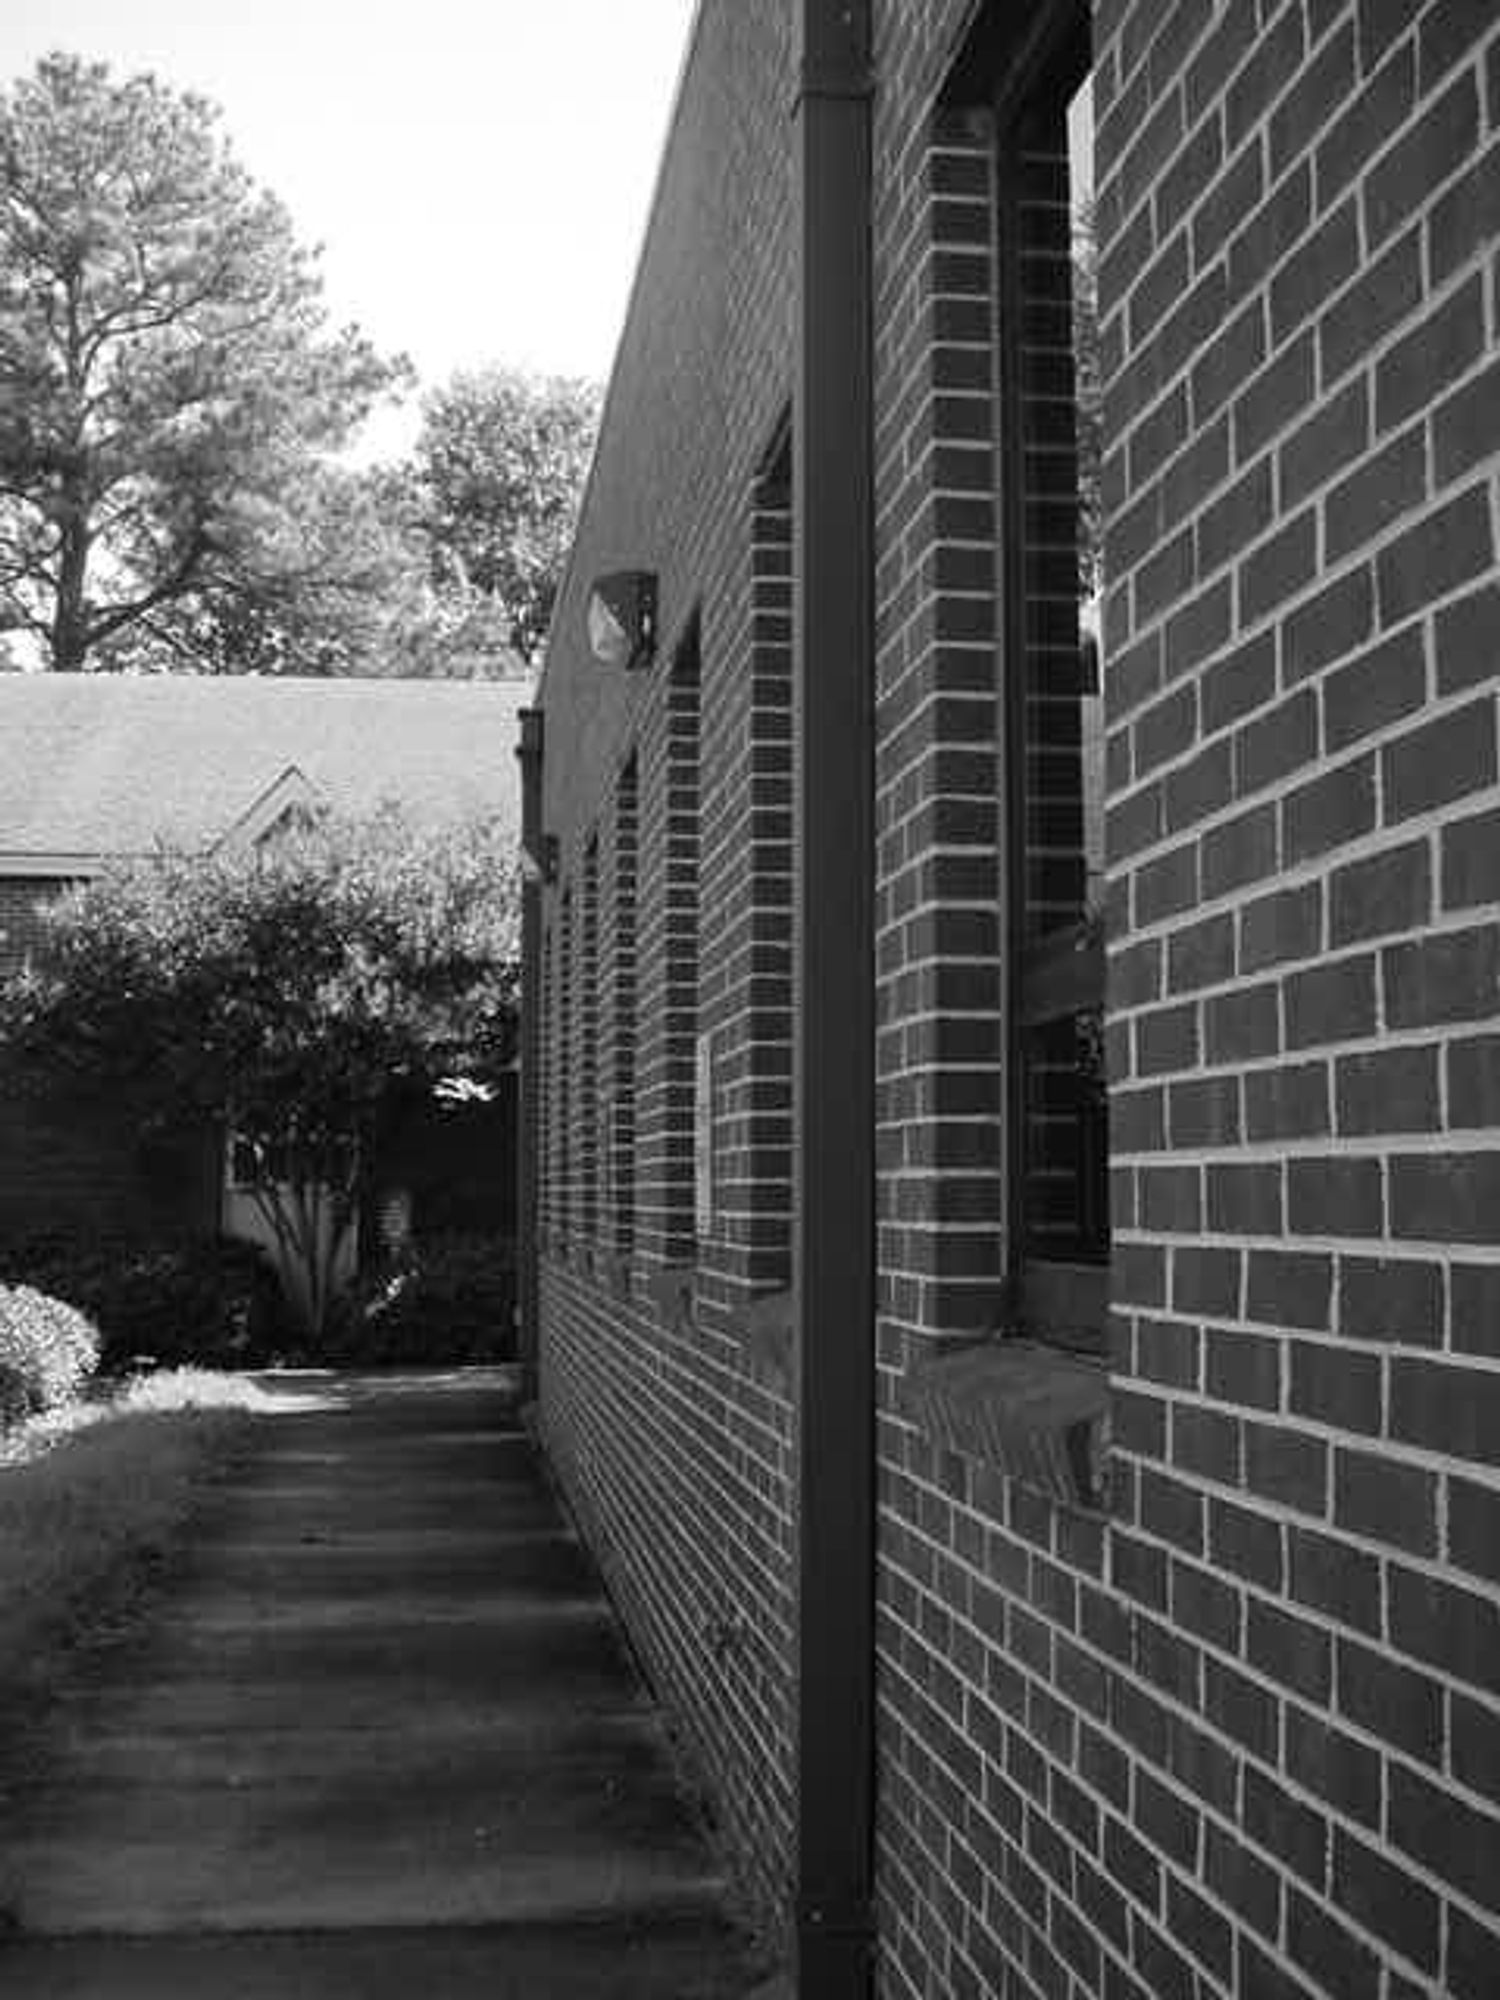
(210, 1300)
(48, 1350)
(453, 1301)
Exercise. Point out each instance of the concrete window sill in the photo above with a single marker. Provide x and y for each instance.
(1036, 1413)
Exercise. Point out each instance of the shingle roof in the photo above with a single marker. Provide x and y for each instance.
(99, 764)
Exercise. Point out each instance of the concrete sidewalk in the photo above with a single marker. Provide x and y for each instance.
(380, 1737)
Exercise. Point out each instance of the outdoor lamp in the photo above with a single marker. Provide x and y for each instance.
(622, 618)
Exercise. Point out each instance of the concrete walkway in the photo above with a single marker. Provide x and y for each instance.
(378, 1738)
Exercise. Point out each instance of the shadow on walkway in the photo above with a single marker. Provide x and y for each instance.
(380, 1737)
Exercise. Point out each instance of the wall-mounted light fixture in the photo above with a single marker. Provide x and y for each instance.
(622, 618)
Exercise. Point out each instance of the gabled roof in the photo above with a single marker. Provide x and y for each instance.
(93, 765)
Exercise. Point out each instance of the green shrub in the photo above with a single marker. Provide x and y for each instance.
(210, 1300)
(453, 1301)
(48, 1350)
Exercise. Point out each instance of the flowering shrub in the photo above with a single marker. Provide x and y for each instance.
(47, 1351)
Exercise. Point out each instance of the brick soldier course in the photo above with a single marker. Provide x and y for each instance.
(1184, 1606)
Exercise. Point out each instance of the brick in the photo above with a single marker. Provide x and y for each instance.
(1243, 1368)
(1240, 851)
(1167, 729)
(1287, 924)
(1448, 35)
(1201, 627)
(1446, 1408)
(1242, 1026)
(1227, 203)
(1377, 687)
(1389, 1090)
(1228, 362)
(1476, 1308)
(1247, 1544)
(1465, 427)
(1468, 639)
(1334, 1386)
(1387, 892)
(1444, 551)
(1474, 1083)
(1382, 22)
(1167, 1039)
(1166, 1351)
(1385, 487)
(1391, 1299)
(1471, 861)
(1440, 762)
(1329, 810)
(1245, 1711)
(1376, 302)
(1335, 1766)
(1161, 432)
(1291, 1651)
(1274, 745)
(1329, 626)
(1171, 1201)
(1168, 575)
(1205, 1280)
(1205, 1111)
(1473, 1948)
(1166, 885)
(1446, 1197)
(1454, 1630)
(1331, 1003)
(1202, 1929)
(1280, 566)
(1335, 1578)
(1230, 523)
(1206, 1442)
(1245, 1199)
(1335, 435)
(1287, 1466)
(1201, 954)
(1289, 1103)
(1436, 146)
(1201, 1602)
(1199, 787)
(1267, 405)
(1453, 976)
(1334, 1196)
(1385, 1899)
(1474, 1527)
(1386, 1501)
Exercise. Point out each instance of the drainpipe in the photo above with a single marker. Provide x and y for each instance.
(834, 1231)
(529, 754)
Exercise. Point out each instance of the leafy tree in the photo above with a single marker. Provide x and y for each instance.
(283, 991)
(500, 465)
(167, 376)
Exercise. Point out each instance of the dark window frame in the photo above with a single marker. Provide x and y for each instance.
(1058, 975)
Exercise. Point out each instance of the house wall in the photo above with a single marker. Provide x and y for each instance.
(1233, 1732)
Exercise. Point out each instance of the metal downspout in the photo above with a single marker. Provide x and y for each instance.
(834, 1230)
(528, 1176)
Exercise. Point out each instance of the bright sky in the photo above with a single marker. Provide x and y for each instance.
(478, 171)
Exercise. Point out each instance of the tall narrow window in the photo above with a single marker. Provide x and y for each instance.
(681, 1024)
(588, 1052)
(1058, 1206)
(566, 1098)
(620, 1135)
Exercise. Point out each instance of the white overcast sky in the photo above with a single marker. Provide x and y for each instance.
(478, 171)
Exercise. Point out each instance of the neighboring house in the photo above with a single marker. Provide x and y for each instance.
(96, 767)
(1062, 1588)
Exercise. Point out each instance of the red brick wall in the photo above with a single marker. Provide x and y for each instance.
(1235, 1733)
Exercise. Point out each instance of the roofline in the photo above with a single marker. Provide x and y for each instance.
(679, 91)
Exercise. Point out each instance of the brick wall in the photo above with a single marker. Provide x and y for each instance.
(667, 1423)
(1233, 1733)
